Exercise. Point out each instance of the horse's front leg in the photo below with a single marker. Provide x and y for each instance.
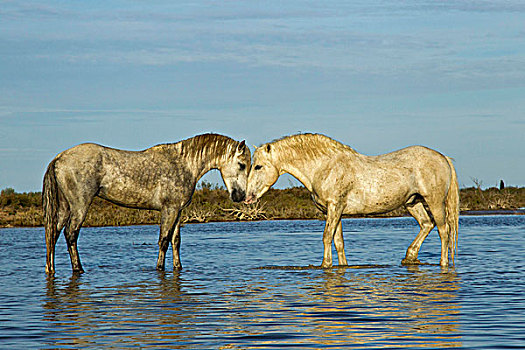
(340, 244)
(168, 220)
(175, 246)
(333, 218)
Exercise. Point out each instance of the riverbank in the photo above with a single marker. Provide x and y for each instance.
(212, 203)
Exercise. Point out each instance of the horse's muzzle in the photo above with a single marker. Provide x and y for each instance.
(238, 195)
(250, 199)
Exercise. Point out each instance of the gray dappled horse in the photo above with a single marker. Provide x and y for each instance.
(342, 181)
(161, 178)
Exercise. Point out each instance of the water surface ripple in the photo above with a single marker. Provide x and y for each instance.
(255, 286)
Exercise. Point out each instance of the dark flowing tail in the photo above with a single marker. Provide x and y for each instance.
(50, 205)
(452, 211)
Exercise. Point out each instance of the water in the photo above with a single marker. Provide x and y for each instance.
(248, 286)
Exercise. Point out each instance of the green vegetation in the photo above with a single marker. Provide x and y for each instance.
(212, 203)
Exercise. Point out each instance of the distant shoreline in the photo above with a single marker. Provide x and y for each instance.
(462, 213)
(492, 212)
(212, 204)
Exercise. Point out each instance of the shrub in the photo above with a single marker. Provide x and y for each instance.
(212, 203)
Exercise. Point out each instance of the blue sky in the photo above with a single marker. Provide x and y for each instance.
(376, 75)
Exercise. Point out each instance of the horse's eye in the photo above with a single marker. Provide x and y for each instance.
(242, 166)
(258, 167)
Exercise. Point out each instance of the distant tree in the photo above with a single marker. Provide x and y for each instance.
(7, 191)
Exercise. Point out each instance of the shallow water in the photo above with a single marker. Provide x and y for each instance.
(252, 286)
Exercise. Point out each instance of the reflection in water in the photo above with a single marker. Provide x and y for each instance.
(115, 316)
(406, 307)
(339, 308)
(67, 308)
(313, 308)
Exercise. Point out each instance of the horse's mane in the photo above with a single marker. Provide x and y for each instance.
(207, 145)
(309, 145)
(210, 144)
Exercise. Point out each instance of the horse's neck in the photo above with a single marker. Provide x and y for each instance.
(201, 164)
(305, 169)
(300, 169)
(197, 162)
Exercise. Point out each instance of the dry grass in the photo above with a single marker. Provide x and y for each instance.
(247, 212)
(213, 204)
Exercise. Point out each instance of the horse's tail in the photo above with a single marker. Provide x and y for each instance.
(452, 211)
(50, 205)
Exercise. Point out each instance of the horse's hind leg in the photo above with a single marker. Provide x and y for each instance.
(438, 212)
(340, 244)
(426, 224)
(51, 241)
(71, 232)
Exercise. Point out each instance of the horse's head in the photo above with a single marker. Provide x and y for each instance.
(234, 171)
(263, 174)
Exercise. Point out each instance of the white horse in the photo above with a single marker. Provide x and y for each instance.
(161, 178)
(342, 181)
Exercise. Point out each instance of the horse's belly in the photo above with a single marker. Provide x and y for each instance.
(129, 197)
(375, 202)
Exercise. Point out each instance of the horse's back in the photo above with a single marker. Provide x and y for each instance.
(91, 156)
(83, 157)
(85, 160)
(411, 154)
(427, 168)
(413, 158)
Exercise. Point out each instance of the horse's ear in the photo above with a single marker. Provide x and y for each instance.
(268, 148)
(241, 147)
